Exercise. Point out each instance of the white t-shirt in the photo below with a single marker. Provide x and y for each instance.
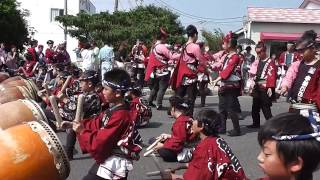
(88, 59)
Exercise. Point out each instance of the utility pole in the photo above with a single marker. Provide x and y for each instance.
(116, 4)
(65, 13)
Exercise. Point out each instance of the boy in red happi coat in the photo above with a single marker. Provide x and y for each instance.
(212, 158)
(173, 143)
(109, 136)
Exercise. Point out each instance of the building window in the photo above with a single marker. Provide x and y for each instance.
(55, 13)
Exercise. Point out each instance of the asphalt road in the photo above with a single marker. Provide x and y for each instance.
(245, 147)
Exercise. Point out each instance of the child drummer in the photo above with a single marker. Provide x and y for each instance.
(108, 137)
(212, 157)
(91, 106)
(181, 130)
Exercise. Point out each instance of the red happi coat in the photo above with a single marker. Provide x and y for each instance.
(154, 63)
(269, 73)
(282, 58)
(312, 92)
(181, 132)
(49, 56)
(141, 112)
(213, 159)
(182, 70)
(230, 66)
(33, 52)
(102, 134)
(28, 66)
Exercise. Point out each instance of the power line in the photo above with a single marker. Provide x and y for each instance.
(194, 16)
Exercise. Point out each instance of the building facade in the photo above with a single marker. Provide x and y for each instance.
(42, 24)
(277, 26)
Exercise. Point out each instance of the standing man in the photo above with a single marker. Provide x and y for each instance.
(264, 74)
(185, 76)
(96, 50)
(157, 68)
(288, 57)
(139, 53)
(106, 56)
(230, 86)
(303, 77)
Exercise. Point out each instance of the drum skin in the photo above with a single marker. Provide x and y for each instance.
(24, 111)
(12, 94)
(3, 76)
(12, 79)
(31, 152)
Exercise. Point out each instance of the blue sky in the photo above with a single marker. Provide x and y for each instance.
(205, 14)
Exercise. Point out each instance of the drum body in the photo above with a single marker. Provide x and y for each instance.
(3, 76)
(29, 84)
(32, 151)
(17, 112)
(14, 93)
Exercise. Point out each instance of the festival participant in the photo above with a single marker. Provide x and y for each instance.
(91, 106)
(49, 54)
(203, 74)
(32, 50)
(185, 75)
(288, 57)
(139, 55)
(264, 76)
(157, 69)
(290, 146)
(302, 78)
(173, 144)
(41, 57)
(230, 86)
(212, 157)
(106, 57)
(62, 55)
(108, 137)
(142, 112)
(27, 69)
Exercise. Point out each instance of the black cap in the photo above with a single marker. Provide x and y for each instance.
(64, 74)
(90, 75)
(50, 42)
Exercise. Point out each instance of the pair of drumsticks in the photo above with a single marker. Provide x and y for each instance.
(53, 101)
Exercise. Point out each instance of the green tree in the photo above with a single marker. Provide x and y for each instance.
(213, 39)
(13, 26)
(140, 23)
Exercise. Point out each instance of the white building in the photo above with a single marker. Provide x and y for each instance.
(42, 19)
(277, 26)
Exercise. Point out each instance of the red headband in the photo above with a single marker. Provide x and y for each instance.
(163, 32)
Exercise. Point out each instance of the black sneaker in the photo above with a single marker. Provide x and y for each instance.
(253, 126)
(159, 107)
(151, 104)
(234, 133)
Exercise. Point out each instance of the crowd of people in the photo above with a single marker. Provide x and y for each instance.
(112, 83)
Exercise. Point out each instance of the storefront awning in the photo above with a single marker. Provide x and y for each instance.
(279, 36)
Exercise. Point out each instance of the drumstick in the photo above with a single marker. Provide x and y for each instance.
(79, 112)
(156, 173)
(53, 101)
(35, 67)
(158, 139)
(45, 79)
(65, 85)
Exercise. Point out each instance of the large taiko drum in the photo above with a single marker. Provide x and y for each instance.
(3, 76)
(14, 93)
(32, 151)
(29, 84)
(12, 79)
(17, 112)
